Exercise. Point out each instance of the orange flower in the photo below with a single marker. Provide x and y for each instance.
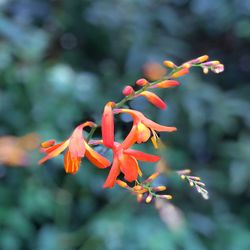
(77, 149)
(154, 99)
(142, 128)
(125, 161)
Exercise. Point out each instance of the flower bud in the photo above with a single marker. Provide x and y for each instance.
(202, 59)
(152, 177)
(165, 84)
(122, 184)
(166, 196)
(180, 73)
(205, 70)
(48, 143)
(141, 82)
(183, 177)
(169, 64)
(139, 197)
(159, 188)
(149, 198)
(128, 90)
(186, 65)
(137, 188)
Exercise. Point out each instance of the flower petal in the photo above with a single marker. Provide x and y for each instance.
(71, 165)
(154, 99)
(113, 174)
(95, 158)
(130, 139)
(54, 151)
(129, 167)
(143, 133)
(108, 125)
(142, 156)
(76, 143)
(153, 125)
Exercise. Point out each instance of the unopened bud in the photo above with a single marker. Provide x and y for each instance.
(139, 197)
(122, 184)
(205, 70)
(186, 65)
(184, 171)
(137, 188)
(159, 188)
(166, 196)
(196, 178)
(166, 84)
(180, 73)
(141, 82)
(48, 143)
(152, 177)
(149, 198)
(183, 177)
(202, 59)
(128, 90)
(218, 68)
(169, 64)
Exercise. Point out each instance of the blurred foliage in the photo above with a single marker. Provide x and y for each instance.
(60, 61)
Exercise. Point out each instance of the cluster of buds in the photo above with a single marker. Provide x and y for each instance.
(144, 191)
(194, 181)
(202, 61)
(125, 159)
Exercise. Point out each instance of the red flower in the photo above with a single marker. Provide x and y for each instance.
(77, 149)
(125, 161)
(142, 128)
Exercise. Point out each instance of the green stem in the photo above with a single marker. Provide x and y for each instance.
(91, 133)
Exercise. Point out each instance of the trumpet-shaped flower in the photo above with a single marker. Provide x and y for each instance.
(125, 161)
(77, 149)
(142, 128)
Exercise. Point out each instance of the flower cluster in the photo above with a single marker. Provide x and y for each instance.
(125, 159)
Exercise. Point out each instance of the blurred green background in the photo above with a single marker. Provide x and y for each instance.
(60, 61)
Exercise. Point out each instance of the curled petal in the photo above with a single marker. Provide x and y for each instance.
(113, 174)
(155, 126)
(135, 114)
(142, 156)
(154, 99)
(95, 158)
(54, 151)
(108, 125)
(129, 167)
(71, 164)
